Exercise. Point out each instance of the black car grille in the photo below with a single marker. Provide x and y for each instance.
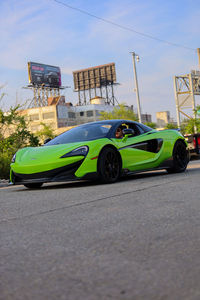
(51, 175)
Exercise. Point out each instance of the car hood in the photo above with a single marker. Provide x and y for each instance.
(45, 153)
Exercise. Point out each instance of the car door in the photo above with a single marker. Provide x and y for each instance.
(139, 151)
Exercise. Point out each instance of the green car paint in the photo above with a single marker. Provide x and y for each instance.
(35, 160)
(39, 159)
(148, 160)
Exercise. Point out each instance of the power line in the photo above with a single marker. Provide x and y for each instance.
(123, 27)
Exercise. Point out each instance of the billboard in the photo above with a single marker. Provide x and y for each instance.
(94, 77)
(40, 74)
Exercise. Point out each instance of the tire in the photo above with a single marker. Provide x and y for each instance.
(180, 158)
(109, 165)
(33, 185)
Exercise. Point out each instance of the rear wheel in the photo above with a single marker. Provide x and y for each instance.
(180, 158)
(109, 166)
(33, 185)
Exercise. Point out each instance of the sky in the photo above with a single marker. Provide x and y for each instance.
(48, 32)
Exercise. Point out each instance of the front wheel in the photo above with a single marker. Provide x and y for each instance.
(33, 185)
(109, 166)
(180, 158)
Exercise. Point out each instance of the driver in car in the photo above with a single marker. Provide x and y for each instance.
(119, 133)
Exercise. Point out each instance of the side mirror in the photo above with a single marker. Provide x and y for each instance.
(128, 131)
(47, 140)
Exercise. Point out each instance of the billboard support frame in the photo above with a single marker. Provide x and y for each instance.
(41, 94)
(186, 85)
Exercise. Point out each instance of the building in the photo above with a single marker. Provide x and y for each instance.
(163, 118)
(60, 115)
(146, 118)
(91, 112)
(57, 114)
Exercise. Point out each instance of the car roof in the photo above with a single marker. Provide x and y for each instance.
(115, 121)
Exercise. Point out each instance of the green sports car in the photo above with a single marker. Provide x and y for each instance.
(105, 150)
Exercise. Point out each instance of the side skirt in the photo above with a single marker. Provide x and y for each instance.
(167, 164)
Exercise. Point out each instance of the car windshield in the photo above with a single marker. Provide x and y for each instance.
(83, 133)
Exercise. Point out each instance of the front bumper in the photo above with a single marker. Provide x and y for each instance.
(59, 174)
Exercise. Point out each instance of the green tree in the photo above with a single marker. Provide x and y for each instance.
(151, 124)
(121, 112)
(171, 126)
(45, 133)
(13, 136)
(192, 125)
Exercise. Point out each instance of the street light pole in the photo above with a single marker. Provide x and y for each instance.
(198, 53)
(136, 85)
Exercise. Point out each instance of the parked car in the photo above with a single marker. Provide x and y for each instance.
(193, 141)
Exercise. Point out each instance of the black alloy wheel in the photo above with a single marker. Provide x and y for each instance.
(36, 185)
(180, 158)
(109, 167)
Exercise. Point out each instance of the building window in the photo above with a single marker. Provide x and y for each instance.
(34, 117)
(98, 112)
(89, 113)
(62, 124)
(71, 115)
(49, 115)
(81, 113)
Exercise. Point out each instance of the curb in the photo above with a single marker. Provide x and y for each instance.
(4, 183)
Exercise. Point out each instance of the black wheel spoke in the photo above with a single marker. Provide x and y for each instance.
(180, 161)
(109, 165)
(180, 158)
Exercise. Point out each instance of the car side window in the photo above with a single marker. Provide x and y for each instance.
(140, 129)
(143, 128)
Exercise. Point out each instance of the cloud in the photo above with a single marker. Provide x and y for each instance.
(28, 32)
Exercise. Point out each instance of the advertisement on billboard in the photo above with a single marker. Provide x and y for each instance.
(40, 74)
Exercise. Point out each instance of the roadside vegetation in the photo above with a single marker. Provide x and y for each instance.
(192, 125)
(18, 137)
(15, 135)
(45, 133)
(151, 124)
(121, 112)
(171, 126)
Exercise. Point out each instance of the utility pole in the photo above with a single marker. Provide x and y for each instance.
(177, 102)
(198, 53)
(134, 55)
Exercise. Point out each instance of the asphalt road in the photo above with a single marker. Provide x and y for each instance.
(136, 239)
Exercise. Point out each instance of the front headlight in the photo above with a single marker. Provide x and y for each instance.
(80, 151)
(13, 158)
